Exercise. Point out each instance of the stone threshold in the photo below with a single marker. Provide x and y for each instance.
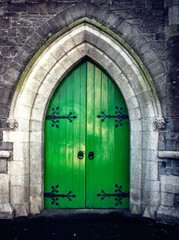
(82, 213)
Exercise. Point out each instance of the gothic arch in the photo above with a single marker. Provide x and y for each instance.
(36, 88)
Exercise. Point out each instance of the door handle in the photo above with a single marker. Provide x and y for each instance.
(80, 154)
(91, 155)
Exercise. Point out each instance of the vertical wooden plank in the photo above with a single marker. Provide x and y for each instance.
(90, 135)
(97, 137)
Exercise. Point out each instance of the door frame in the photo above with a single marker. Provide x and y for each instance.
(36, 87)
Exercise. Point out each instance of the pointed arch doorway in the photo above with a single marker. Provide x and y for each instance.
(87, 142)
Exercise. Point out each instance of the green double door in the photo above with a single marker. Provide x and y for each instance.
(86, 145)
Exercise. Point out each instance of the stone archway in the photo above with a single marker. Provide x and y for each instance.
(34, 92)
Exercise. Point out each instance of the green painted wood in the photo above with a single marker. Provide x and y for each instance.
(87, 91)
(110, 144)
(62, 166)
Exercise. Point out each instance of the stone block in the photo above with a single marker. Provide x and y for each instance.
(175, 171)
(46, 62)
(135, 169)
(3, 166)
(135, 183)
(60, 21)
(90, 36)
(37, 114)
(19, 195)
(36, 137)
(4, 188)
(36, 178)
(35, 41)
(38, 73)
(151, 198)
(21, 210)
(150, 140)
(25, 109)
(135, 195)
(53, 24)
(137, 139)
(169, 184)
(132, 103)
(35, 152)
(112, 21)
(153, 186)
(45, 31)
(135, 114)
(35, 125)
(176, 201)
(149, 212)
(168, 214)
(148, 110)
(6, 211)
(135, 155)
(21, 151)
(12, 136)
(135, 208)
(36, 190)
(136, 125)
(124, 29)
(5, 154)
(173, 15)
(36, 205)
(167, 199)
(150, 170)
(20, 179)
(18, 168)
(149, 155)
(33, 86)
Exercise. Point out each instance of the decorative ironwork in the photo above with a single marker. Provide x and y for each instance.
(80, 154)
(91, 155)
(119, 195)
(119, 115)
(55, 118)
(54, 195)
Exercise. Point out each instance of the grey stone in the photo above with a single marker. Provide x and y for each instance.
(3, 166)
(176, 201)
(168, 214)
(175, 171)
(6, 146)
(6, 211)
(167, 199)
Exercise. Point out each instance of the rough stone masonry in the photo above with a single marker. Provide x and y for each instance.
(149, 32)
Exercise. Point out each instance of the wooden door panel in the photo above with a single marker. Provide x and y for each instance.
(63, 141)
(109, 140)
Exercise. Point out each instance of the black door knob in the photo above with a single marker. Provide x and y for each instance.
(80, 154)
(91, 155)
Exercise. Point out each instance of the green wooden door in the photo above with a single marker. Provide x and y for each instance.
(87, 142)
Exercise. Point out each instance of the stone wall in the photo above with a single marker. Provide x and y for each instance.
(149, 27)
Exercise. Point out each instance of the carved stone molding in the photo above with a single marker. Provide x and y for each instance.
(168, 154)
(159, 124)
(12, 124)
(5, 154)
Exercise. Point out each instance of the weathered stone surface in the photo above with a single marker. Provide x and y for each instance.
(167, 199)
(168, 214)
(4, 188)
(6, 211)
(3, 166)
(5, 154)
